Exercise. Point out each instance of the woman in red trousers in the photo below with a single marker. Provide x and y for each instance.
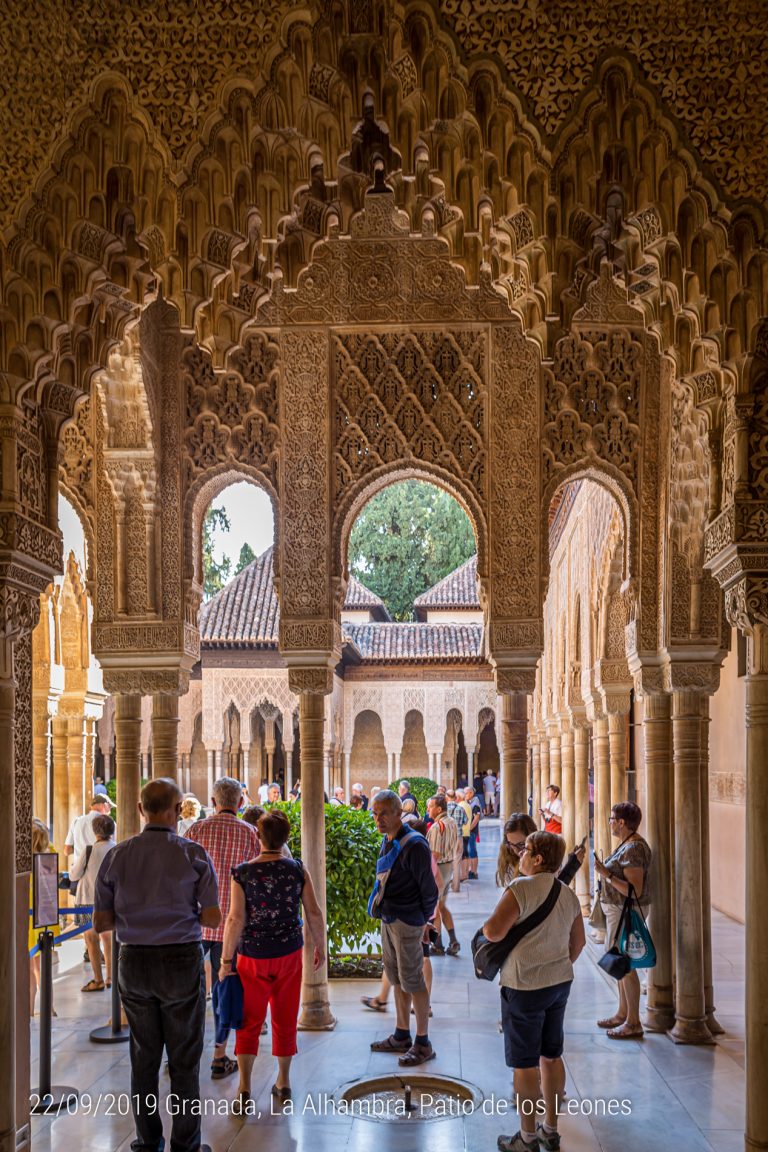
(264, 927)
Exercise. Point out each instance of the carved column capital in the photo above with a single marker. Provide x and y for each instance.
(313, 681)
(146, 681)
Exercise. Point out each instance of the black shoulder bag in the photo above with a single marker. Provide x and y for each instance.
(488, 956)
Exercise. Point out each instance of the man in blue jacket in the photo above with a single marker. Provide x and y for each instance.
(407, 897)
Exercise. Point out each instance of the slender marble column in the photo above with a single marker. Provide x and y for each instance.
(706, 893)
(581, 812)
(246, 766)
(568, 788)
(211, 755)
(602, 758)
(90, 732)
(690, 1022)
(536, 772)
(128, 764)
(514, 735)
(756, 1137)
(288, 770)
(348, 775)
(657, 740)
(165, 736)
(8, 900)
(107, 767)
(543, 774)
(76, 767)
(617, 740)
(555, 756)
(40, 762)
(60, 749)
(315, 1005)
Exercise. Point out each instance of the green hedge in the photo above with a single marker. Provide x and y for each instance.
(421, 787)
(351, 848)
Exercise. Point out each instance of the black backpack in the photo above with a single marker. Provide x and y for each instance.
(488, 956)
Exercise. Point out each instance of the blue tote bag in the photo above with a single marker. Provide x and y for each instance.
(634, 938)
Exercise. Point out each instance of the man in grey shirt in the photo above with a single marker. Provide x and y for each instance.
(158, 890)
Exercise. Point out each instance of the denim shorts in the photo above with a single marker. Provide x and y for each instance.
(532, 1023)
(470, 847)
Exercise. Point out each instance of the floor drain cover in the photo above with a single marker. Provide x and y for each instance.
(414, 1097)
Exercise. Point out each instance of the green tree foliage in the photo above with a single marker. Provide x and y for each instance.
(246, 557)
(407, 538)
(351, 847)
(215, 575)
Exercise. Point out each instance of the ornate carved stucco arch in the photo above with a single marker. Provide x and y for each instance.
(365, 489)
(199, 499)
(617, 486)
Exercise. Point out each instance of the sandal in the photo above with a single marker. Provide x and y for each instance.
(391, 1045)
(612, 1022)
(222, 1066)
(93, 986)
(417, 1054)
(373, 1003)
(281, 1094)
(624, 1033)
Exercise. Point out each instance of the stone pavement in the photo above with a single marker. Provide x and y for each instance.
(689, 1098)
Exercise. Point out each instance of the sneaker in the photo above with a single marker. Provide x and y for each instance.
(549, 1141)
(472, 876)
(436, 950)
(516, 1144)
(453, 948)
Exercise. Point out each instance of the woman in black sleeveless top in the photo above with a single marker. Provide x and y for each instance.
(265, 927)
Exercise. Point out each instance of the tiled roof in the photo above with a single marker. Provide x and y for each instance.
(359, 598)
(245, 614)
(417, 642)
(456, 590)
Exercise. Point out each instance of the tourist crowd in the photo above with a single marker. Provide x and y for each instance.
(222, 886)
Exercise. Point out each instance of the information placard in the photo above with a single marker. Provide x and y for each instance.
(45, 889)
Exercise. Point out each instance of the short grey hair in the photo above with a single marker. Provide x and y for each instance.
(228, 792)
(405, 784)
(389, 799)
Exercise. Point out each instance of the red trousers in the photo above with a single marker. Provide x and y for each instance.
(275, 983)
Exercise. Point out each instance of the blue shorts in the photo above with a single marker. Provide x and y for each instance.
(532, 1023)
(469, 851)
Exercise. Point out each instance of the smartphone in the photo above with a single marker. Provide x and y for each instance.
(583, 842)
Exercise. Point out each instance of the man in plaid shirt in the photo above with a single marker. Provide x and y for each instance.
(229, 842)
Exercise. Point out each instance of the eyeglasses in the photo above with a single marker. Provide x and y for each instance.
(518, 847)
(616, 818)
(526, 848)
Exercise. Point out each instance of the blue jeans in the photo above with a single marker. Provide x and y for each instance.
(212, 949)
(163, 994)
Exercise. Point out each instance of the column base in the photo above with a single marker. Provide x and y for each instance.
(316, 1017)
(714, 1025)
(755, 1145)
(659, 1019)
(692, 1031)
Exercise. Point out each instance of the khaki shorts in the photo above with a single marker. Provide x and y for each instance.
(403, 955)
(612, 917)
(446, 877)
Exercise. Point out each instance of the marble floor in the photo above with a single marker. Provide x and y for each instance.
(663, 1095)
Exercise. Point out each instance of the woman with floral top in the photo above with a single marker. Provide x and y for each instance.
(627, 867)
(264, 927)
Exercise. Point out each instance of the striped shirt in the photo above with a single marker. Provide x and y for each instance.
(229, 842)
(443, 839)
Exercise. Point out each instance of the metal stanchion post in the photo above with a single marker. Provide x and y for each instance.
(50, 1098)
(113, 1033)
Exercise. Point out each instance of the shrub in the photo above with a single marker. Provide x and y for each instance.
(421, 787)
(351, 848)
